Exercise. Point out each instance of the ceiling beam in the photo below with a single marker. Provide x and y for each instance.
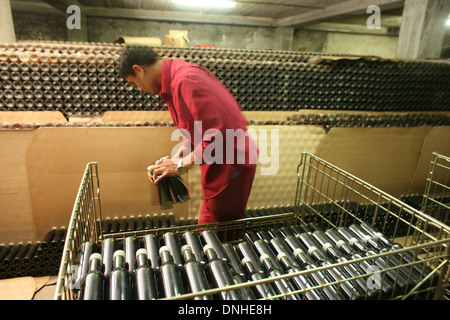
(349, 28)
(174, 16)
(341, 10)
(36, 7)
(63, 4)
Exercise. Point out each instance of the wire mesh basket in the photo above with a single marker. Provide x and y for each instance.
(412, 263)
(436, 199)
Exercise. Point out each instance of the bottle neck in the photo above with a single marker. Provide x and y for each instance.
(95, 265)
(141, 260)
(119, 262)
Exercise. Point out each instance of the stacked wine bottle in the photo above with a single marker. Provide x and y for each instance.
(41, 258)
(148, 267)
(82, 79)
(163, 220)
(149, 222)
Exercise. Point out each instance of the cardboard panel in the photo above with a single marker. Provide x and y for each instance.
(276, 180)
(15, 206)
(383, 157)
(135, 116)
(267, 115)
(32, 116)
(437, 140)
(57, 157)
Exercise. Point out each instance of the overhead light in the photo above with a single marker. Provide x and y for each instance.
(448, 22)
(207, 3)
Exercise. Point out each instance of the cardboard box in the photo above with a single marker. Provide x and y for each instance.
(176, 38)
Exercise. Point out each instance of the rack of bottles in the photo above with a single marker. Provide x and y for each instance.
(41, 258)
(80, 78)
(334, 244)
(436, 198)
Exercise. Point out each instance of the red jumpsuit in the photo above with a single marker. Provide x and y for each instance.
(193, 94)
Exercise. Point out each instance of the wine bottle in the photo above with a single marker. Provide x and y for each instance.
(313, 249)
(400, 282)
(108, 248)
(83, 266)
(192, 240)
(173, 243)
(171, 278)
(382, 282)
(354, 270)
(301, 282)
(107, 255)
(130, 253)
(367, 239)
(195, 273)
(246, 292)
(262, 291)
(212, 239)
(150, 243)
(384, 241)
(93, 283)
(145, 278)
(119, 284)
(340, 242)
(298, 251)
(221, 274)
(283, 286)
(353, 241)
(379, 281)
(409, 272)
(327, 246)
(234, 260)
(247, 251)
(352, 291)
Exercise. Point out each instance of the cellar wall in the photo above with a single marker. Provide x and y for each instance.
(41, 169)
(35, 26)
(345, 43)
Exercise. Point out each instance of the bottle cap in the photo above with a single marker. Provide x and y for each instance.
(185, 247)
(97, 256)
(245, 260)
(281, 255)
(206, 247)
(118, 253)
(263, 257)
(164, 248)
(141, 251)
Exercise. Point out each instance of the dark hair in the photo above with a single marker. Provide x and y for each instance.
(131, 55)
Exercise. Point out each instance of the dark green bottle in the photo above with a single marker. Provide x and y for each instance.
(119, 285)
(93, 282)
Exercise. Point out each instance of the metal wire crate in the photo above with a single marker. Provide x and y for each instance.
(330, 198)
(333, 198)
(84, 225)
(436, 199)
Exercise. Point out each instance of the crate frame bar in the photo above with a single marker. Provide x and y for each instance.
(438, 184)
